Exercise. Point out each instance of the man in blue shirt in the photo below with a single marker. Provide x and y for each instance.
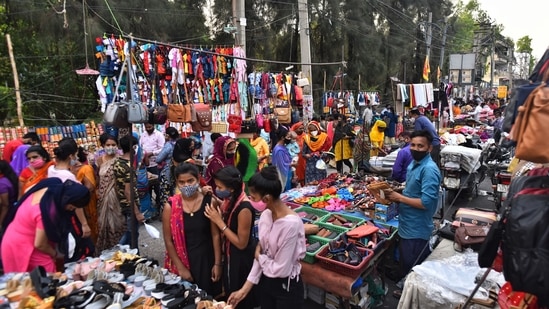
(417, 203)
(421, 122)
(403, 159)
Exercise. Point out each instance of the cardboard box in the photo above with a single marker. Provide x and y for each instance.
(384, 213)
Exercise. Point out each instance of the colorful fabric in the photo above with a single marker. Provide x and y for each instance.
(282, 161)
(219, 159)
(19, 159)
(111, 223)
(86, 175)
(177, 226)
(30, 177)
(262, 149)
(377, 137)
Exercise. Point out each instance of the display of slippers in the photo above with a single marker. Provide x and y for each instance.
(77, 299)
(43, 285)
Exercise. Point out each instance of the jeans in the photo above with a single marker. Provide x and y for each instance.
(127, 237)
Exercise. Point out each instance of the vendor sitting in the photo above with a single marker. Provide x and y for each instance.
(417, 203)
(403, 159)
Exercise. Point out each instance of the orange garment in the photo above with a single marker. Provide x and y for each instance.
(29, 177)
(301, 162)
(86, 176)
(456, 110)
(262, 149)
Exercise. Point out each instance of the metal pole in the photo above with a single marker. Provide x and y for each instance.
(441, 61)
(305, 43)
(492, 62)
(429, 34)
(241, 23)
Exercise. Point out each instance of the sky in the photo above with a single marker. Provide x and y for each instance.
(521, 18)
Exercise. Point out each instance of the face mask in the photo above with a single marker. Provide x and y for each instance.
(110, 150)
(314, 133)
(259, 205)
(73, 162)
(189, 191)
(230, 154)
(287, 141)
(222, 194)
(418, 155)
(37, 163)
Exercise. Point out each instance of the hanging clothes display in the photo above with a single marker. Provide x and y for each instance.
(415, 94)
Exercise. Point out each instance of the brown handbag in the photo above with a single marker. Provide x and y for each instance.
(203, 114)
(176, 113)
(530, 124)
(469, 237)
(283, 114)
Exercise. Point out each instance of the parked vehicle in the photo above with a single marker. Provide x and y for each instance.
(460, 171)
(497, 163)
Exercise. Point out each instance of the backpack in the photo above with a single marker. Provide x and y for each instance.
(523, 235)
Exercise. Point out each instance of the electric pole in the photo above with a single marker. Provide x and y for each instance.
(429, 34)
(305, 43)
(239, 21)
(441, 61)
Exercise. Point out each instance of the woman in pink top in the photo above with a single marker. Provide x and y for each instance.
(40, 222)
(281, 246)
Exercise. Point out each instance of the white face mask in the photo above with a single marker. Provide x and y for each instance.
(314, 133)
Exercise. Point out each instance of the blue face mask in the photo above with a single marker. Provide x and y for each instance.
(222, 194)
(189, 191)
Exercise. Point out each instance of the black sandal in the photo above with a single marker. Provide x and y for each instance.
(43, 285)
(76, 299)
(105, 287)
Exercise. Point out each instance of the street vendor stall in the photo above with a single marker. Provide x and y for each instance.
(353, 226)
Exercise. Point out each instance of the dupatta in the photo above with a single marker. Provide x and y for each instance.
(177, 226)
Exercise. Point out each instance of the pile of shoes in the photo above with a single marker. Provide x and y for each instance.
(344, 252)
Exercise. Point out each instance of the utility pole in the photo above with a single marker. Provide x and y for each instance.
(429, 34)
(305, 43)
(239, 21)
(492, 60)
(441, 61)
(15, 82)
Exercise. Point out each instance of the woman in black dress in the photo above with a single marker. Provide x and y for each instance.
(193, 246)
(234, 215)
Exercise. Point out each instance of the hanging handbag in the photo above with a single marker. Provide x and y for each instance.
(235, 120)
(203, 114)
(176, 113)
(531, 121)
(267, 123)
(137, 112)
(249, 126)
(259, 120)
(116, 115)
(283, 114)
(158, 114)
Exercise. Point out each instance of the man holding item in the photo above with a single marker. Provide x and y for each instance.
(417, 203)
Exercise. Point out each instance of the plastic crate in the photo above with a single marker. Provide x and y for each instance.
(310, 257)
(356, 220)
(309, 210)
(334, 228)
(385, 242)
(342, 268)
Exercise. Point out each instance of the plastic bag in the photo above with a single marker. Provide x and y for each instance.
(153, 232)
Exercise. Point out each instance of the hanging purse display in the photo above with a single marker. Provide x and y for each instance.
(137, 112)
(249, 126)
(158, 114)
(203, 114)
(116, 114)
(176, 113)
(283, 111)
(235, 120)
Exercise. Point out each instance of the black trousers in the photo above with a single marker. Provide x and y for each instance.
(156, 187)
(279, 293)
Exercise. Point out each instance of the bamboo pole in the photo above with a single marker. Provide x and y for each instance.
(15, 82)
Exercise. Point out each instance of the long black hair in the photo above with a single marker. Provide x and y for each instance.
(7, 171)
(232, 179)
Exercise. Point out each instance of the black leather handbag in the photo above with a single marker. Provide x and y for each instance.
(249, 126)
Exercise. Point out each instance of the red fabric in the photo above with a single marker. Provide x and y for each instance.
(177, 226)
(9, 149)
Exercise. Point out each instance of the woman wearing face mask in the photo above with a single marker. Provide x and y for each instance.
(193, 245)
(276, 267)
(111, 223)
(39, 163)
(282, 159)
(314, 144)
(65, 159)
(223, 155)
(235, 219)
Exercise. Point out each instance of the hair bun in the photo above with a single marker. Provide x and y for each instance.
(269, 173)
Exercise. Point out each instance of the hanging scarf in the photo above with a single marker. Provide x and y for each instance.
(177, 225)
(316, 143)
(375, 134)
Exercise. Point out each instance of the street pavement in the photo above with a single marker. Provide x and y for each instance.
(154, 248)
